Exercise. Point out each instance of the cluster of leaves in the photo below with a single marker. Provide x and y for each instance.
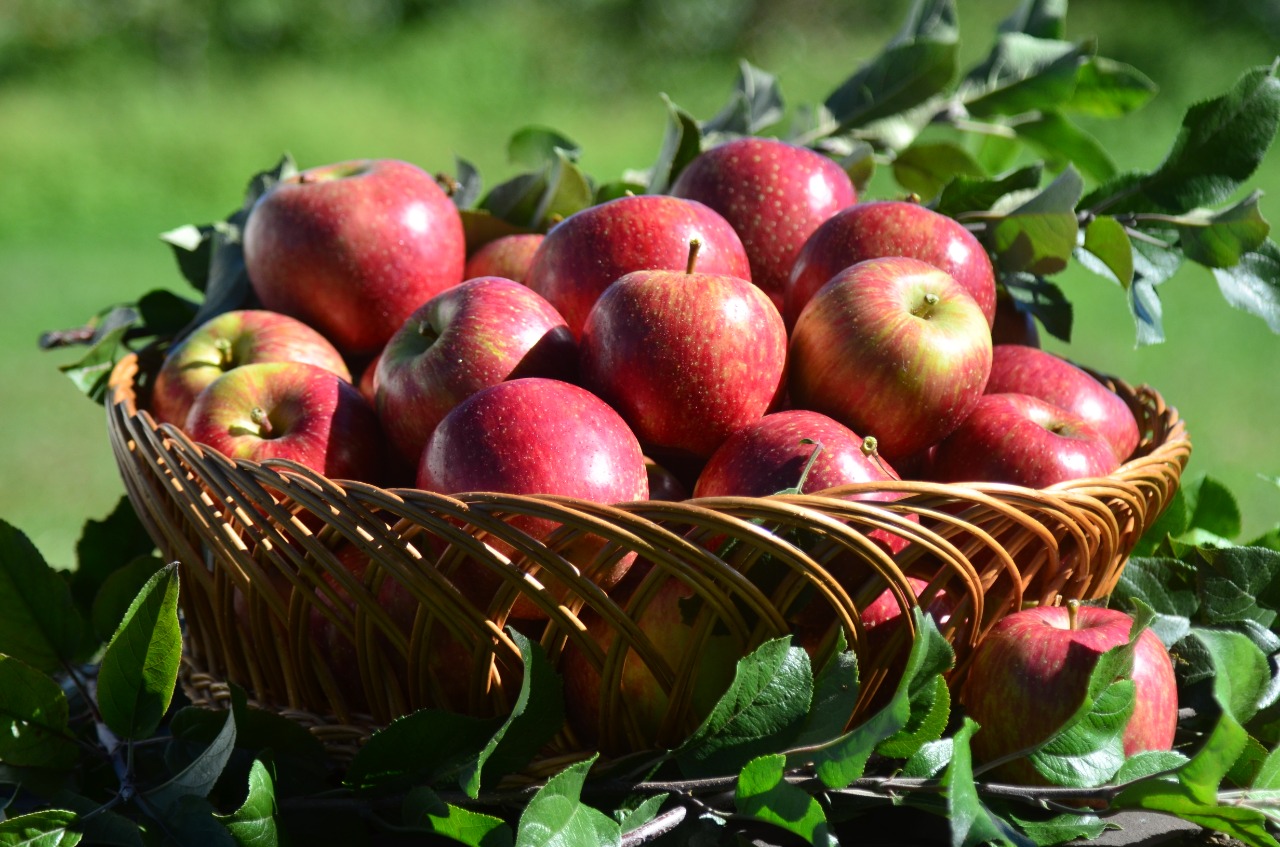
(97, 748)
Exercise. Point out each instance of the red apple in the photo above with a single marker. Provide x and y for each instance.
(353, 248)
(583, 254)
(890, 228)
(1018, 369)
(893, 348)
(469, 337)
(508, 256)
(774, 194)
(687, 357)
(290, 410)
(1022, 440)
(228, 341)
(1031, 672)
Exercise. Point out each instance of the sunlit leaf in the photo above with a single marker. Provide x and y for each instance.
(254, 823)
(140, 668)
(557, 817)
(762, 794)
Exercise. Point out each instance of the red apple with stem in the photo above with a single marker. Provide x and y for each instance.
(685, 357)
(773, 193)
(583, 254)
(232, 339)
(893, 348)
(1019, 369)
(1022, 440)
(1030, 673)
(890, 228)
(508, 256)
(470, 337)
(353, 248)
(290, 410)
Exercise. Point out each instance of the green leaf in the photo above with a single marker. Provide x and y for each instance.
(967, 194)
(1038, 235)
(468, 185)
(39, 622)
(835, 694)
(1219, 239)
(1211, 507)
(917, 64)
(1058, 138)
(118, 591)
(1062, 828)
(755, 105)
(1044, 300)
(531, 200)
(929, 760)
(104, 547)
(1253, 285)
(199, 777)
(194, 821)
(681, 143)
(1238, 584)
(91, 371)
(192, 246)
(763, 710)
(423, 810)
(634, 818)
(971, 822)
(1106, 88)
(536, 718)
(421, 748)
(930, 709)
(47, 828)
(1148, 763)
(1241, 671)
(1168, 587)
(33, 718)
(860, 164)
(1152, 266)
(140, 667)
(763, 795)
(925, 168)
(1106, 239)
(1039, 18)
(254, 823)
(556, 816)
(1023, 74)
(534, 147)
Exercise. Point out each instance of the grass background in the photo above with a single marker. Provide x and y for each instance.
(103, 149)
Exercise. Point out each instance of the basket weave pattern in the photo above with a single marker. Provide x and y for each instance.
(273, 603)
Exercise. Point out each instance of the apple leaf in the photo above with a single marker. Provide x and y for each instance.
(918, 63)
(1152, 266)
(568, 191)
(1038, 235)
(1062, 828)
(1168, 587)
(634, 817)
(681, 143)
(556, 816)
(1023, 73)
(535, 147)
(193, 821)
(924, 168)
(860, 164)
(929, 760)
(1107, 250)
(423, 748)
(46, 828)
(1219, 239)
(118, 591)
(835, 694)
(33, 718)
(1055, 136)
(424, 811)
(91, 371)
(1148, 763)
(254, 823)
(39, 622)
(140, 667)
(468, 185)
(763, 710)
(764, 795)
(971, 822)
(1253, 284)
(754, 106)
(198, 778)
(1238, 584)
(1044, 300)
(164, 313)
(969, 194)
(1039, 18)
(1106, 88)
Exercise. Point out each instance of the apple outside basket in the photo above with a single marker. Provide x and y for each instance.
(259, 545)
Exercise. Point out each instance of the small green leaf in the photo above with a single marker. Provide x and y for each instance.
(925, 168)
(971, 822)
(764, 709)
(568, 191)
(556, 816)
(916, 65)
(534, 147)
(1039, 18)
(756, 104)
(423, 810)
(929, 760)
(634, 818)
(199, 777)
(1106, 88)
(930, 710)
(421, 748)
(1062, 828)
(967, 194)
(254, 823)
(763, 795)
(39, 622)
(1039, 235)
(140, 668)
(1023, 74)
(1106, 239)
(468, 185)
(1253, 285)
(1219, 239)
(48, 828)
(118, 591)
(1058, 138)
(1148, 763)
(681, 143)
(91, 371)
(33, 718)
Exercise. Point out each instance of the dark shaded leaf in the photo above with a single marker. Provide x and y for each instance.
(193, 822)
(33, 719)
(192, 246)
(164, 313)
(535, 147)
(1106, 88)
(968, 194)
(763, 795)
(835, 694)
(1023, 74)
(1044, 300)
(421, 748)
(1168, 587)
(39, 622)
(1061, 140)
(423, 810)
(198, 778)
(1038, 234)
(1239, 584)
(468, 185)
(756, 104)
(556, 816)
(1253, 285)
(925, 168)
(254, 823)
(681, 143)
(481, 226)
(140, 668)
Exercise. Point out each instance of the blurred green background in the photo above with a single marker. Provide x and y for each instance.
(125, 119)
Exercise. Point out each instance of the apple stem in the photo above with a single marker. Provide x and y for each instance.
(694, 246)
(225, 359)
(871, 449)
(808, 466)
(1073, 611)
(259, 416)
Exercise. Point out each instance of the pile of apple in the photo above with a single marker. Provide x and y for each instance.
(707, 341)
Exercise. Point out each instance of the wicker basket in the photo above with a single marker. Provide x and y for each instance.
(345, 605)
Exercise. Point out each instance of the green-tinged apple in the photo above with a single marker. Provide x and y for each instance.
(353, 248)
(890, 228)
(536, 436)
(508, 256)
(232, 339)
(774, 194)
(892, 348)
(1022, 440)
(583, 254)
(1030, 673)
(1019, 369)
(290, 410)
(686, 357)
(470, 337)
